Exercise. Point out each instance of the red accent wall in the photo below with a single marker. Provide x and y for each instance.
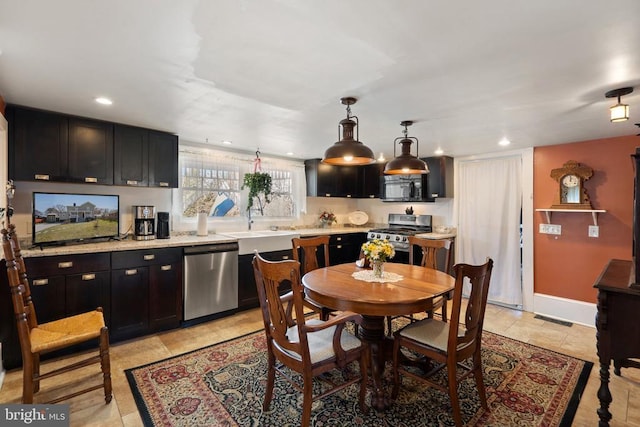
(567, 265)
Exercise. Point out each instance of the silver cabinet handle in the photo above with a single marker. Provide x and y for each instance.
(87, 277)
(285, 257)
(166, 267)
(67, 264)
(90, 179)
(132, 182)
(41, 177)
(164, 184)
(149, 257)
(40, 282)
(339, 246)
(131, 272)
(338, 238)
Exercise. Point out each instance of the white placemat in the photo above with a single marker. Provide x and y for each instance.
(367, 276)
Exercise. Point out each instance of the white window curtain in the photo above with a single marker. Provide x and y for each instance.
(489, 197)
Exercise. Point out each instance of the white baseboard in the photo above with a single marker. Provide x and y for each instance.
(569, 310)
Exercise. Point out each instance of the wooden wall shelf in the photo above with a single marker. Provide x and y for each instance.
(594, 213)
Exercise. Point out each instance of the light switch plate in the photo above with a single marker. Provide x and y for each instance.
(550, 229)
(594, 231)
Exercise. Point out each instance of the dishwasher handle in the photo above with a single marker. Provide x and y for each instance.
(214, 248)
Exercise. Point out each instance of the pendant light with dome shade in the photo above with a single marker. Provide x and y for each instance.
(405, 163)
(348, 151)
(620, 111)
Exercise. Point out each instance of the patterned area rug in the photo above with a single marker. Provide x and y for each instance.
(223, 385)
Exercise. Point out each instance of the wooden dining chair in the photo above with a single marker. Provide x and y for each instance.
(310, 347)
(447, 344)
(306, 251)
(36, 339)
(429, 250)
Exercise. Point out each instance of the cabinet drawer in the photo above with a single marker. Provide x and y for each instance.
(128, 259)
(66, 264)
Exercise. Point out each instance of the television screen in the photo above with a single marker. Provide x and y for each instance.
(65, 217)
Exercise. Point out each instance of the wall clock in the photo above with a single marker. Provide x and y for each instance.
(571, 192)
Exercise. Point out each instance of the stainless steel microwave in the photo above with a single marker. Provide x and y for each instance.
(404, 188)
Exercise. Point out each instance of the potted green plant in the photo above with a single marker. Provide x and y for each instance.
(257, 183)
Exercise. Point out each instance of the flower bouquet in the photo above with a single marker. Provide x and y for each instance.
(377, 252)
(327, 218)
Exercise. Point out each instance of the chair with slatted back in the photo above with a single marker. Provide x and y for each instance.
(312, 253)
(429, 250)
(310, 347)
(36, 339)
(448, 344)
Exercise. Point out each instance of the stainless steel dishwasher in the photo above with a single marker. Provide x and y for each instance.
(210, 279)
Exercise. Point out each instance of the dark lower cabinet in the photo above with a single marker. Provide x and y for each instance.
(129, 302)
(247, 291)
(345, 247)
(146, 291)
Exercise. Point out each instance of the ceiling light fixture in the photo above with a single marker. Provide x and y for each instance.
(405, 163)
(104, 101)
(504, 142)
(620, 111)
(348, 151)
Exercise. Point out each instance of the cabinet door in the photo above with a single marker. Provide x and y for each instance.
(131, 152)
(247, 292)
(129, 302)
(347, 181)
(90, 151)
(37, 145)
(440, 178)
(86, 292)
(165, 289)
(48, 295)
(369, 178)
(163, 160)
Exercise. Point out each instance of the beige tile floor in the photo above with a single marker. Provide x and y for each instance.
(90, 410)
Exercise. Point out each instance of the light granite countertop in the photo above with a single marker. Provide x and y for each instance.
(186, 240)
(174, 241)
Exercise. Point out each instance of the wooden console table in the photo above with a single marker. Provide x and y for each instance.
(618, 327)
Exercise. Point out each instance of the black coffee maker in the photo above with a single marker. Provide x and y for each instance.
(162, 229)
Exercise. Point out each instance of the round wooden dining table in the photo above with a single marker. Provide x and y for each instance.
(335, 287)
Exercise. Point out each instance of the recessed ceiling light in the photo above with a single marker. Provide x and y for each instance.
(226, 142)
(104, 101)
(438, 151)
(504, 142)
(381, 158)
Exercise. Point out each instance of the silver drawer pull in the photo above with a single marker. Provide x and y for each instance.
(67, 264)
(348, 195)
(40, 282)
(338, 238)
(131, 272)
(132, 182)
(89, 276)
(285, 257)
(434, 194)
(41, 177)
(90, 179)
(339, 246)
(149, 257)
(166, 267)
(164, 184)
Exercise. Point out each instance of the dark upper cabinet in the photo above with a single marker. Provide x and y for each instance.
(370, 180)
(90, 151)
(48, 146)
(38, 145)
(342, 181)
(440, 178)
(163, 159)
(131, 156)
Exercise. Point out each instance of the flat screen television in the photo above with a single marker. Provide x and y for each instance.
(59, 218)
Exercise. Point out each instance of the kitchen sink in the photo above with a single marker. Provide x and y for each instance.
(262, 240)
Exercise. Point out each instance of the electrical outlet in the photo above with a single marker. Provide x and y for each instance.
(550, 229)
(594, 231)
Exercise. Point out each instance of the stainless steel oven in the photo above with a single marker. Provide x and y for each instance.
(399, 229)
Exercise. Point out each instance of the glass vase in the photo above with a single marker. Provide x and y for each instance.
(378, 268)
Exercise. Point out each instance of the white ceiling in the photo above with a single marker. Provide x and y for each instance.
(268, 74)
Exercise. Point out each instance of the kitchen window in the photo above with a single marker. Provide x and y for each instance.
(211, 180)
